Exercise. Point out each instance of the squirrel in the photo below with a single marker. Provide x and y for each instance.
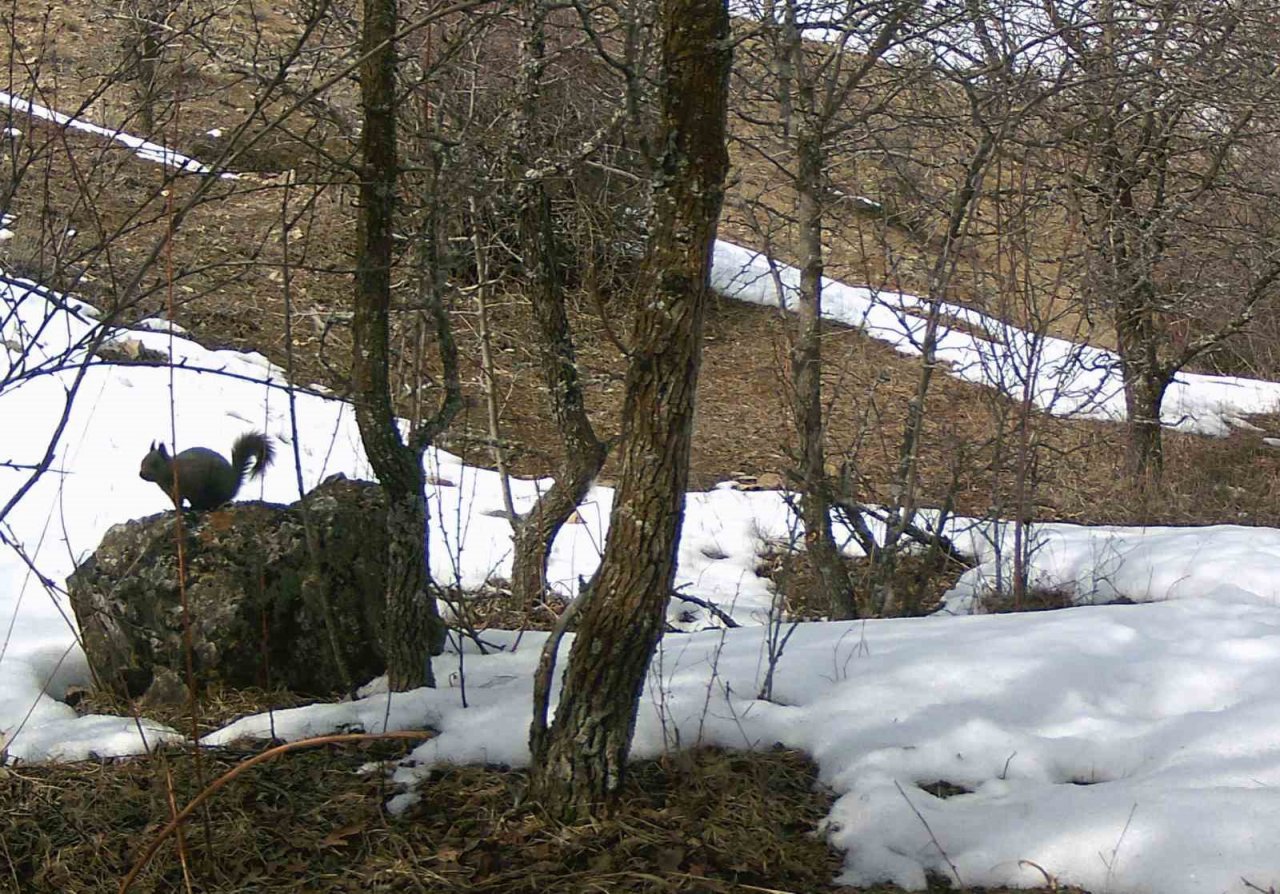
(203, 478)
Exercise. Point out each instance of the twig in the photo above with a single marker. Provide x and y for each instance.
(182, 844)
(924, 822)
(1048, 879)
(723, 616)
(208, 791)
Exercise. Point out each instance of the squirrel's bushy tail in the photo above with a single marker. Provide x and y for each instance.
(253, 446)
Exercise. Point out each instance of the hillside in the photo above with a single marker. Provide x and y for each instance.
(228, 260)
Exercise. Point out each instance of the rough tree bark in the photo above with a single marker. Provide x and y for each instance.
(806, 381)
(579, 762)
(584, 454)
(413, 630)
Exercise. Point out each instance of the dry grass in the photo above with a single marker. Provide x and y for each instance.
(217, 706)
(1036, 599)
(701, 821)
(704, 821)
(920, 581)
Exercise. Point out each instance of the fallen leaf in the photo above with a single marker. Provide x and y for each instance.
(338, 837)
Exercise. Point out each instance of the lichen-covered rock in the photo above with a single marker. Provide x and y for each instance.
(256, 606)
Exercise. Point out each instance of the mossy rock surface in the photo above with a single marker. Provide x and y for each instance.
(254, 604)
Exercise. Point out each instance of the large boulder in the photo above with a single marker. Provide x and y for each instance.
(257, 608)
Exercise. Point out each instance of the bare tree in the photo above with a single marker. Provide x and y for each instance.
(1167, 105)
(412, 627)
(524, 147)
(976, 98)
(145, 25)
(583, 452)
(581, 759)
(809, 99)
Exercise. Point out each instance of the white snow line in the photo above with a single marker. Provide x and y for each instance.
(144, 149)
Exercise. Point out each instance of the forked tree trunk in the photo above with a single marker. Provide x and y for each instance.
(580, 760)
(412, 629)
(584, 454)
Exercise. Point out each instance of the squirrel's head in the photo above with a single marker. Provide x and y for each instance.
(154, 463)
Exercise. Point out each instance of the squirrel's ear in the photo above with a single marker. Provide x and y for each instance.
(163, 450)
(153, 445)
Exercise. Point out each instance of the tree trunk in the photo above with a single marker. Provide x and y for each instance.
(146, 47)
(1143, 396)
(1145, 377)
(584, 454)
(821, 554)
(580, 761)
(412, 626)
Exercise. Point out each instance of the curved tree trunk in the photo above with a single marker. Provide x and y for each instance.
(579, 762)
(412, 628)
(584, 454)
